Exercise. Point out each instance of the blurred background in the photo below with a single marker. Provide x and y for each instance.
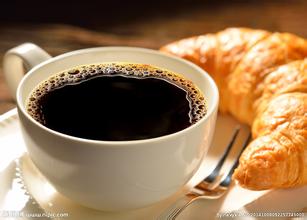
(61, 26)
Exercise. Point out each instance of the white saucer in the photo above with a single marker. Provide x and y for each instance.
(23, 189)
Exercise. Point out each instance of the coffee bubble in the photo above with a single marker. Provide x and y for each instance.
(73, 71)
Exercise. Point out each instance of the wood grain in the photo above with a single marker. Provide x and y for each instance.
(152, 31)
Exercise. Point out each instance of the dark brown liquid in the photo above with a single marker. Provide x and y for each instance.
(116, 102)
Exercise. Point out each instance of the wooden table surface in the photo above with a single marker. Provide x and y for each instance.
(152, 31)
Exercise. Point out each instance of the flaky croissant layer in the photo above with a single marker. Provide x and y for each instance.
(262, 78)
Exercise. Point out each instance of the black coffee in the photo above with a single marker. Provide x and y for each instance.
(116, 102)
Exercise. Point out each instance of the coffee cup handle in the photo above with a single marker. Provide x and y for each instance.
(18, 61)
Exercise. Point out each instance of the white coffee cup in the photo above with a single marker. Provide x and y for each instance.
(110, 175)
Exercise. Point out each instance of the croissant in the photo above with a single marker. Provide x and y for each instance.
(262, 79)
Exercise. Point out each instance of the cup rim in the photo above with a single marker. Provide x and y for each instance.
(210, 111)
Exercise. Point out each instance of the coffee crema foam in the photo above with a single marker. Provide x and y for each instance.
(83, 73)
